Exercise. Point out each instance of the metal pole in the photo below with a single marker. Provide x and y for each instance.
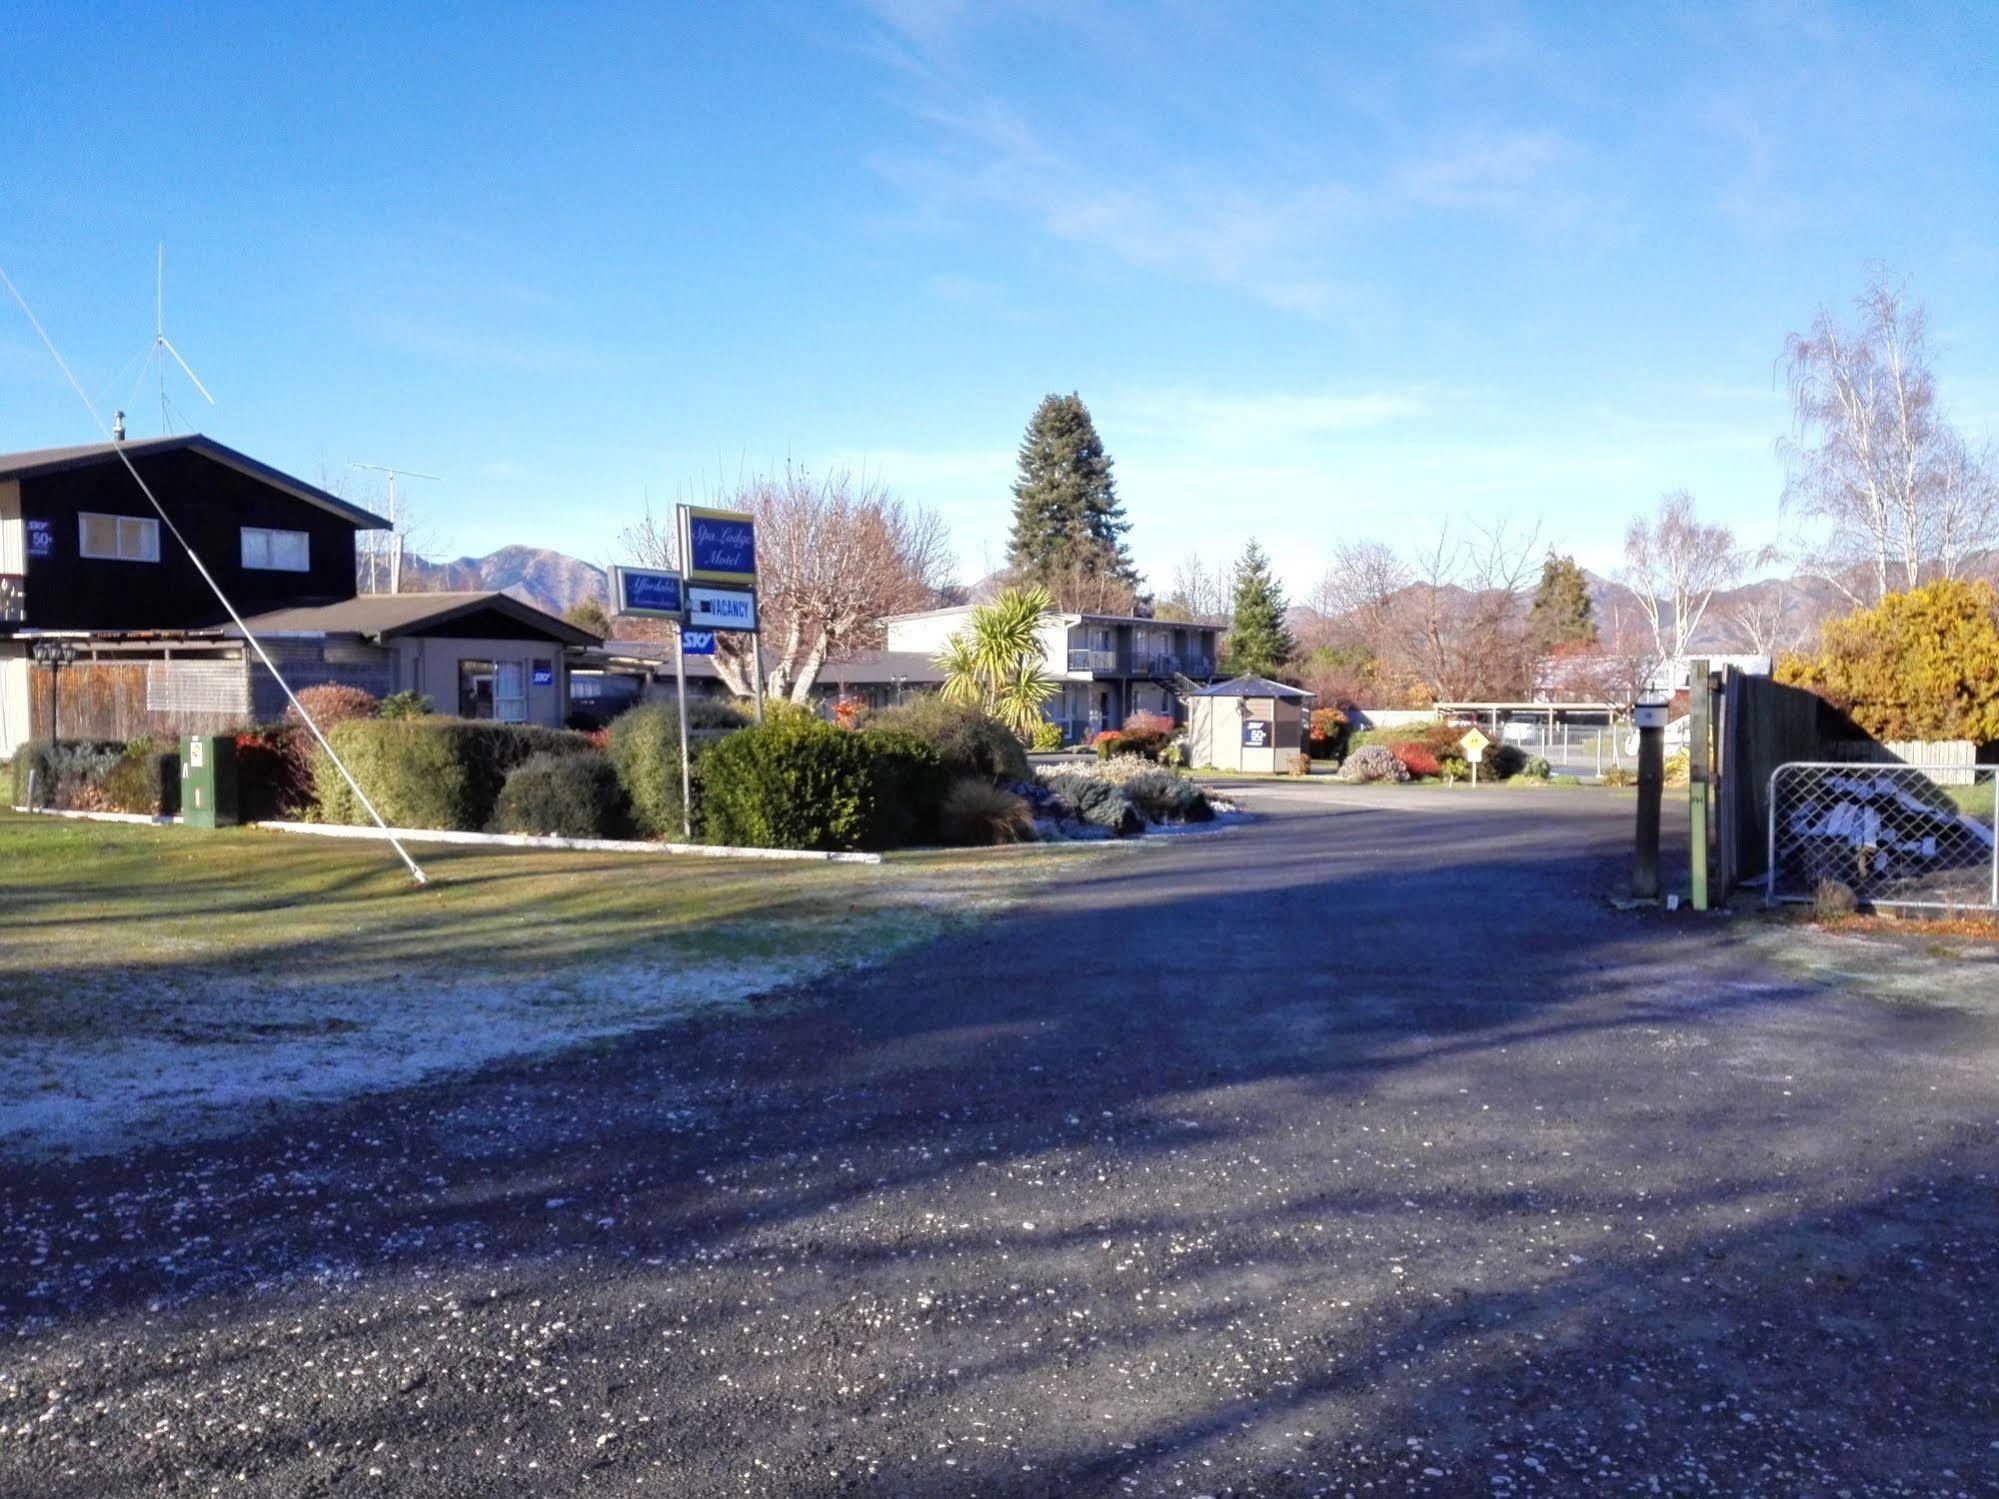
(680, 712)
(757, 671)
(1651, 785)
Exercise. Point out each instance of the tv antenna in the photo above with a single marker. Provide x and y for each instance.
(163, 347)
(395, 536)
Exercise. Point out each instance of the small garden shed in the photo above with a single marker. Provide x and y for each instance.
(1247, 723)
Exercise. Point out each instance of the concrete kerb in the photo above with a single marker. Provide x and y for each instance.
(488, 840)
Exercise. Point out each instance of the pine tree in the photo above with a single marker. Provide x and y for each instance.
(1562, 613)
(1261, 642)
(1067, 523)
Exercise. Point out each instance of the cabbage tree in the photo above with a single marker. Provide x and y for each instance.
(996, 664)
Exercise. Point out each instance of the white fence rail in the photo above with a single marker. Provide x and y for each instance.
(1920, 836)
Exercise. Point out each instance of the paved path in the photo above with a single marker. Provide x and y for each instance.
(1364, 1150)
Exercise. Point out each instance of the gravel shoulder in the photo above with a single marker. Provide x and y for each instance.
(1362, 1150)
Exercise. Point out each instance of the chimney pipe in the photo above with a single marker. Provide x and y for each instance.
(118, 427)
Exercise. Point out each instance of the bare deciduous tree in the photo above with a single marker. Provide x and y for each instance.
(1452, 616)
(1199, 591)
(1871, 458)
(1674, 565)
(835, 556)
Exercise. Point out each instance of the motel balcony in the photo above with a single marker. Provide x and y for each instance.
(13, 599)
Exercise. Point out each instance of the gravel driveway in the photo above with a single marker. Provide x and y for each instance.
(1362, 1150)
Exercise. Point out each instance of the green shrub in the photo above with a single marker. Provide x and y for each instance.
(968, 741)
(1097, 801)
(145, 779)
(405, 704)
(1164, 797)
(274, 773)
(1047, 736)
(1502, 762)
(792, 781)
(1618, 775)
(571, 796)
(975, 811)
(644, 746)
(68, 774)
(1537, 769)
(911, 784)
(429, 772)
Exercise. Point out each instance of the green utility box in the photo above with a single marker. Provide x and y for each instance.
(208, 780)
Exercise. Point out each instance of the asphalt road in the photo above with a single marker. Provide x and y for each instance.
(1363, 1150)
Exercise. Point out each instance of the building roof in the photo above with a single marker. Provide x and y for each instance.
(41, 461)
(1072, 615)
(383, 616)
(1251, 687)
(859, 670)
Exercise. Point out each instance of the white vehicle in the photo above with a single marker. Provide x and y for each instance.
(1679, 736)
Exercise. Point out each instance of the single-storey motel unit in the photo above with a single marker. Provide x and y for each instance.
(87, 566)
(1109, 665)
(1247, 723)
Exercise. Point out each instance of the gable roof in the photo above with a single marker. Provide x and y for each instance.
(1251, 687)
(382, 616)
(41, 461)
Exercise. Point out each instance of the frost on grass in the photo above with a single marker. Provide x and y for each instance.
(209, 1043)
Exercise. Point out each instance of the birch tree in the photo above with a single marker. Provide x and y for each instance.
(1900, 496)
(1674, 565)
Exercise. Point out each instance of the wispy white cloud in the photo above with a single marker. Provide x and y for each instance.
(1266, 418)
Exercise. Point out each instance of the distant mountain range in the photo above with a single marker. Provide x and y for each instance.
(535, 575)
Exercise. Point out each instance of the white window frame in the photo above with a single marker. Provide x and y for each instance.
(148, 532)
(510, 707)
(268, 536)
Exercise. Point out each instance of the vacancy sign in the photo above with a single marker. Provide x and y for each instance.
(721, 609)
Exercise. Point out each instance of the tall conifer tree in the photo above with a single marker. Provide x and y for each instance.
(1261, 642)
(1562, 612)
(1067, 522)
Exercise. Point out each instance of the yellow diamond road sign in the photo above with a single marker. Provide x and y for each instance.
(1474, 740)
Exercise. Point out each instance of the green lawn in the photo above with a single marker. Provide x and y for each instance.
(145, 971)
(1974, 801)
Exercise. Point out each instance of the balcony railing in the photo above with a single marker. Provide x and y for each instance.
(13, 599)
(1093, 660)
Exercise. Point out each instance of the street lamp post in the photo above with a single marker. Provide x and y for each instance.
(54, 654)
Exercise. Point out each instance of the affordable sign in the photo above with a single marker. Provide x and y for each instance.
(645, 591)
(718, 546)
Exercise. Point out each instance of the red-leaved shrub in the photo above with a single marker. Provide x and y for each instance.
(1416, 759)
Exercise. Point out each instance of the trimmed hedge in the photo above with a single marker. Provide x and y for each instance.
(911, 783)
(444, 773)
(571, 796)
(968, 741)
(146, 779)
(644, 746)
(796, 781)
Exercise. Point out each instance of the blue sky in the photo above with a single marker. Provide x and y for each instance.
(1321, 271)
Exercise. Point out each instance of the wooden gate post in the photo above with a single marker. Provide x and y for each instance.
(1700, 761)
(1651, 721)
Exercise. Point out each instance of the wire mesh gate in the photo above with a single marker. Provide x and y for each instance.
(1895, 835)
